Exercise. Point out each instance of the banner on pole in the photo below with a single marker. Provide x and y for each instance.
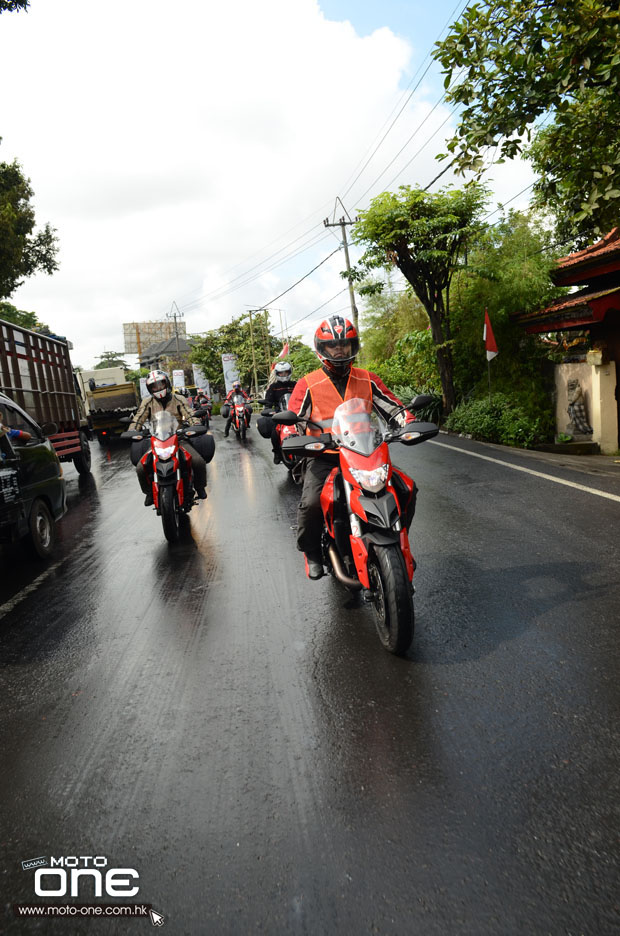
(229, 366)
(200, 381)
(178, 379)
(489, 338)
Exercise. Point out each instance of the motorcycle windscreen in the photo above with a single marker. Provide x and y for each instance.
(164, 425)
(357, 426)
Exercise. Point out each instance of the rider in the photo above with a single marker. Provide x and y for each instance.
(236, 388)
(202, 401)
(316, 396)
(15, 435)
(282, 383)
(162, 399)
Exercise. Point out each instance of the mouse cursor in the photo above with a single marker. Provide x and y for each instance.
(156, 918)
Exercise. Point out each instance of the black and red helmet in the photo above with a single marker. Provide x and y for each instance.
(337, 344)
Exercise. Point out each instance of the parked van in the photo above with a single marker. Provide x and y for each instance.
(32, 489)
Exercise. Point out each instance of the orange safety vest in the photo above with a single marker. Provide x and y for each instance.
(325, 398)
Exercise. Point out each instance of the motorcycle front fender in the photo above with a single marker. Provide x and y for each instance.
(166, 472)
(381, 512)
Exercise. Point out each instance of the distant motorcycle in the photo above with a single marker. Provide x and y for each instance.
(364, 500)
(240, 418)
(169, 468)
(290, 461)
(203, 412)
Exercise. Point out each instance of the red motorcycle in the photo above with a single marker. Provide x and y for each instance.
(169, 467)
(265, 427)
(203, 408)
(240, 417)
(365, 502)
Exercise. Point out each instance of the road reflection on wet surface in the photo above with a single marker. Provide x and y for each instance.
(206, 715)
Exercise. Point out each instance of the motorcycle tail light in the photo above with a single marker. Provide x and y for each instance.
(372, 480)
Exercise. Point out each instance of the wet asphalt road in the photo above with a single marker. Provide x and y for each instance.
(236, 734)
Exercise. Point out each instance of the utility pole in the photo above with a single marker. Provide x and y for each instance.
(342, 224)
(253, 354)
(175, 315)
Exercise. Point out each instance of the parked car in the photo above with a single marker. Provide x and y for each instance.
(32, 489)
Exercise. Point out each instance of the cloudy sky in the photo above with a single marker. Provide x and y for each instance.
(188, 153)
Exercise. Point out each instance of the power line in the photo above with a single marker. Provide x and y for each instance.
(408, 98)
(406, 144)
(228, 288)
(275, 299)
(314, 311)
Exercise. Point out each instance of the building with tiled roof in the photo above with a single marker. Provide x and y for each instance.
(595, 308)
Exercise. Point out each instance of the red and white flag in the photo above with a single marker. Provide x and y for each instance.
(489, 338)
(284, 350)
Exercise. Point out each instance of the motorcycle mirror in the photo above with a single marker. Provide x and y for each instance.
(420, 401)
(417, 432)
(287, 418)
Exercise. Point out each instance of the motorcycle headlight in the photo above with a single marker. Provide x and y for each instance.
(371, 480)
(164, 451)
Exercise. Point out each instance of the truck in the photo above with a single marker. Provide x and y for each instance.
(36, 374)
(109, 398)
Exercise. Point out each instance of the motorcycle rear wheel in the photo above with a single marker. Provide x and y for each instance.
(393, 603)
(169, 513)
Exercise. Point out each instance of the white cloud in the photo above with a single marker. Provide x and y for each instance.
(171, 144)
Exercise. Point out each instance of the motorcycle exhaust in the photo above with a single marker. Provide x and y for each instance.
(339, 572)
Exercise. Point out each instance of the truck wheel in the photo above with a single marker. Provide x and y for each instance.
(42, 527)
(83, 460)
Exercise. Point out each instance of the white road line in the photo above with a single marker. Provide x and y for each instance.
(8, 606)
(537, 474)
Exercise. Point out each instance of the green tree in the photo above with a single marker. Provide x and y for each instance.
(412, 365)
(514, 61)
(301, 358)
(507, 271)
(8, 6)
(237, 337)
(575, 159)
(28, 320)
(22, 252)
(423, 234)
(111, 359)
(389, 315)
(134, 376)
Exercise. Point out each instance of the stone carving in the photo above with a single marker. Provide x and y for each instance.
(579, 424)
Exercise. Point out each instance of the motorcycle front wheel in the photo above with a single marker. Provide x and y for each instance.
(392, 602)
(169, 510)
